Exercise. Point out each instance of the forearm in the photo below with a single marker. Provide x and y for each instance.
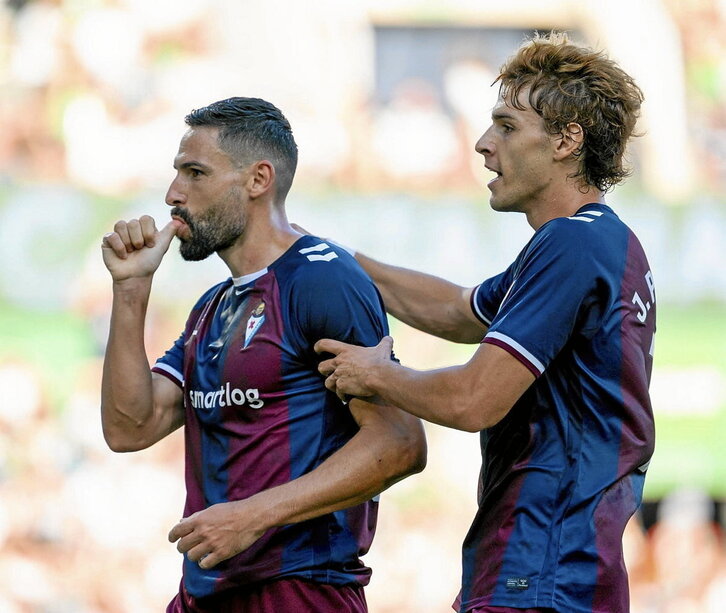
(378, 456)
(389, 445)
(472, 397)
(425, 302)
(126, 389)
(444, 396)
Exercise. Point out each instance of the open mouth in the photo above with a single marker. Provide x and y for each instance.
(497, 176)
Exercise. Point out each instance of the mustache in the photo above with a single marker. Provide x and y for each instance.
(182, 214)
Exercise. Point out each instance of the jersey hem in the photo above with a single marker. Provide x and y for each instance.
(518, 603)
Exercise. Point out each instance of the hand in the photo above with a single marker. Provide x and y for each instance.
(347, 372)
(217, 533)
(135, 248)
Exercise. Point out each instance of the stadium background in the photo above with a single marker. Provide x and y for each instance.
(386, 98)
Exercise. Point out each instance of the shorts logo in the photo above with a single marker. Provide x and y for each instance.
(226, 396)
(257, 318)
(517, 583)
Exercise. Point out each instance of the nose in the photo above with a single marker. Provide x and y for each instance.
(175, 196)
(485, 145)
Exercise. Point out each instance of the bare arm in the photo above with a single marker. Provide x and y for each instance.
(138, 408)
(470, 397)
(425, 302)
(389, 446)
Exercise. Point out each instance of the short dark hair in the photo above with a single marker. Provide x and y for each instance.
(573, 84)
(252, 129)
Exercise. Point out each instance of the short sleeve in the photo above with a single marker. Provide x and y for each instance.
(171, 364)
(554, 278)
(487, 297)
(337, 300)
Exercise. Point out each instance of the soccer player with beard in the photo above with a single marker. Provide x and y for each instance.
(282, 478)
(558, 387)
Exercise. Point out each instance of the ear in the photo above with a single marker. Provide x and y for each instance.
(261, 178)
(569, 141)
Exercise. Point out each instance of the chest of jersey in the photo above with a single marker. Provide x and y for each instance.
(237, 363)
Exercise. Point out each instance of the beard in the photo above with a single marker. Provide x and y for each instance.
(210, 232)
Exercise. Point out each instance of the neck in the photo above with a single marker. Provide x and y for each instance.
(267, 235)
(564, 203)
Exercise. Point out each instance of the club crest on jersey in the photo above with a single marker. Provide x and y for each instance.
(257, 318)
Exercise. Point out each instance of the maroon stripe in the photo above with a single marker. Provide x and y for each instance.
(636, 435)
(168, 375)
(512, 351)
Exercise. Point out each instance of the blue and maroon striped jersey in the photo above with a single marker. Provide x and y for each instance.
(563, 472)
(258, 414)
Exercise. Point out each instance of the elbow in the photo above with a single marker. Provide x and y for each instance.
(415, 457)
(120, 444)
(120, 438)
(407, 456)
(117, 445)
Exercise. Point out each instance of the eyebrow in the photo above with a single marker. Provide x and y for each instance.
(190, 164)
(500, 115)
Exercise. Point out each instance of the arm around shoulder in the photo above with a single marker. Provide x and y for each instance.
(425, 302)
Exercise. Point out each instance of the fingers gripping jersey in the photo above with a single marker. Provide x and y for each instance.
(258, 414)
(563, 471)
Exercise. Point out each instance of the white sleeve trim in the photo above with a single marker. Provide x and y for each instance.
(515, 345)
(172, 371)
(477, 310)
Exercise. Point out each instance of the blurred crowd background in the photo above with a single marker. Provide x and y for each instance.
(386, 99)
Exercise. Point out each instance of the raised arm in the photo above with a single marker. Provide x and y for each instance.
(138, 408)
(425, 302)
(389, 446)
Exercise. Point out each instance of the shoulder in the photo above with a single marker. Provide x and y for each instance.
(313, 261)
(586, 235)
(328, 294)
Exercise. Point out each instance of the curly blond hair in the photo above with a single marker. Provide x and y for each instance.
(572, 84)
